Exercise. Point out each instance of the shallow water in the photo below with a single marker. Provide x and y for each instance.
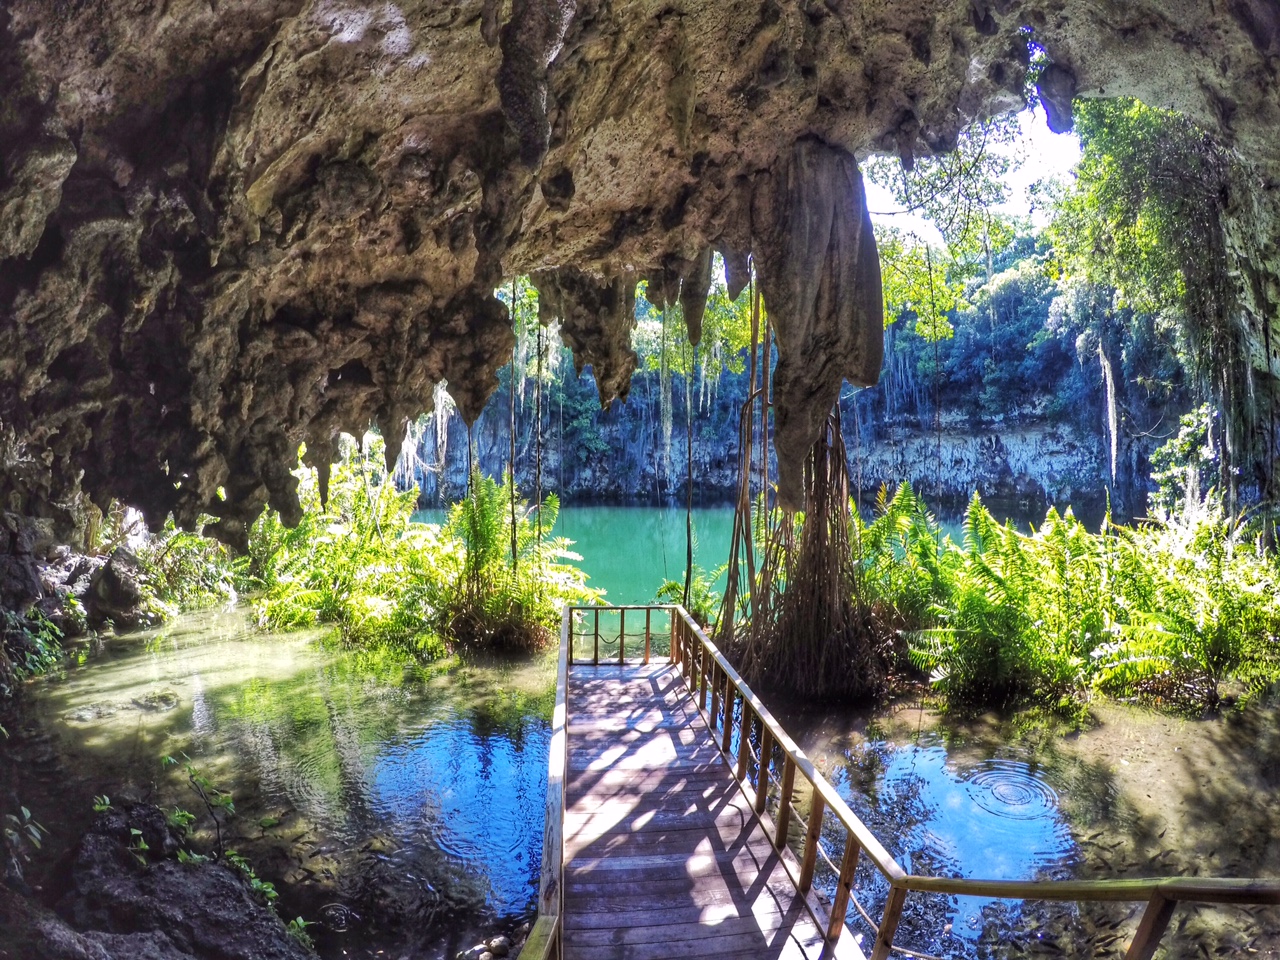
(1135, 795)
(402, 806)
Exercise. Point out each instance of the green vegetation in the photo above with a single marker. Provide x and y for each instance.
(185, 570)
(1180, 609)
(360, 562)
(1147, 217)
(29, 646)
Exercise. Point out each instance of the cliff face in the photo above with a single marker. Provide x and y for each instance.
(1024, 457)
(228, 228)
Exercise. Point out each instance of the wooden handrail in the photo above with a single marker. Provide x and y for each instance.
(1178, 889)
(700, 661)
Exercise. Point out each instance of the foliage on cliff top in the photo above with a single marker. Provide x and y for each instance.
(1148, 214)
(362, 563)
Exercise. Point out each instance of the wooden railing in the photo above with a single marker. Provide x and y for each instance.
(717, 688)
(736, 718)
(658, 624)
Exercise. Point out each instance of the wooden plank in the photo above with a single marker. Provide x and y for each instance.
(1155, 918)
(644, 781)
(542, 940)
(757, 928)
(597, 907)
(782, 946)
(552, 835)
(665, 856)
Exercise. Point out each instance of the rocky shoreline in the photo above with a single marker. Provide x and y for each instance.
(123, 895)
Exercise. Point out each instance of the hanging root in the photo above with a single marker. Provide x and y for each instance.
(813, 633)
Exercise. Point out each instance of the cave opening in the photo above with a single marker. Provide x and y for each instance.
(410, 326)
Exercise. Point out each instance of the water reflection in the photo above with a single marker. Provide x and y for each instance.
(403, 804)
(996, 818)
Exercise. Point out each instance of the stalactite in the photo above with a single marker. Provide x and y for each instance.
(820, 273)
(444, 409)
(1109, 381)
(664, 401)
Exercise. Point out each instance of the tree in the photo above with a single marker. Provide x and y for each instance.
(1146, 216)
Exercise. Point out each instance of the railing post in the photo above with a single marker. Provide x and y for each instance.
(648, 621)
(889, 923)
(595, 651)
(715, 696)
(702, 678)
(844, 891)
(784, 800)
(812, 837)
(675, 638)
(744, 741)
(728, 715)
(1155, 918)
(762, 773)
(622, 635)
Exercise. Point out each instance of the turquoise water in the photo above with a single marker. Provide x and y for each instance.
(630, 551)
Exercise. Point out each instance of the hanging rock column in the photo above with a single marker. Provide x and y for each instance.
(820, 276)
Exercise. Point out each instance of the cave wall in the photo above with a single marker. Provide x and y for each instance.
(229, 228)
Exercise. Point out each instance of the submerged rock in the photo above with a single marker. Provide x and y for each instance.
(93, 711)
(157, 701)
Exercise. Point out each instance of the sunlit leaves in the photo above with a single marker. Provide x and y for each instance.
(1141, 214)
(916, 283)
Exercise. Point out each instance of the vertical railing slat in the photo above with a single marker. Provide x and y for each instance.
(889, 923)
(702, 678)
(648, 623)
(762, 772)
(622, 635)
(784, 800)
(716, 673)
(1155, 918)
(812, 838)
(844, 892)
(728, 715)
(744, 741)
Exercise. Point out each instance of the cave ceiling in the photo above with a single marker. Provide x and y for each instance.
(231, 226)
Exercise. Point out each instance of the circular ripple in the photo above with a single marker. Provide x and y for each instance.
(1011, 790)
(338, 917)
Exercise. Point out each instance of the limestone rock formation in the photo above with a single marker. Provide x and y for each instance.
(122, 904)
(229, 228)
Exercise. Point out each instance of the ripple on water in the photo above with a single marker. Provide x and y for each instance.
(996, 818)
(1011, 790)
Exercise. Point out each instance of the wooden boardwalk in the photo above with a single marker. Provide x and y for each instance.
(664, 854)
(682, 820)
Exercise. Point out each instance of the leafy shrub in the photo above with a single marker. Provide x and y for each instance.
(29, 646)
(1171, 609)
(185, 570)
(704, 598)
(361, 562)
